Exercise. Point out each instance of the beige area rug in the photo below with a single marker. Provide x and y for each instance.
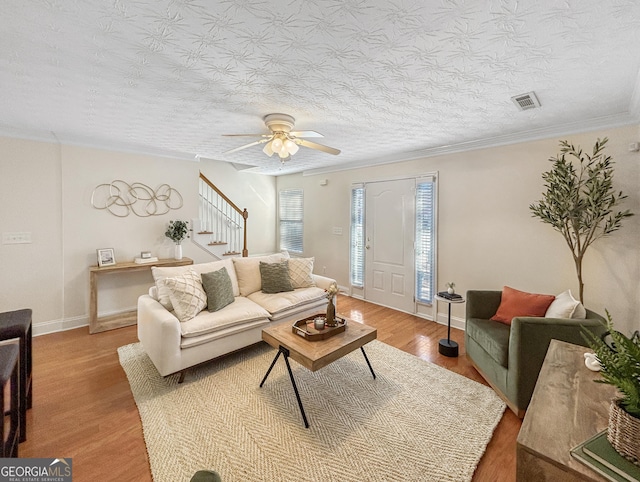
(415, 422)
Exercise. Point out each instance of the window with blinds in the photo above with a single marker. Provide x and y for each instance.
(425, 241)
(290, 213)
(357, 237)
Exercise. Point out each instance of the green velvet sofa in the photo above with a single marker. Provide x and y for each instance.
(509, 358)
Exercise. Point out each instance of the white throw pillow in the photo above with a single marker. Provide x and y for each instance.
(248, 272)
(187, 295)
(300, 270)
(162, 273)
(565, 306)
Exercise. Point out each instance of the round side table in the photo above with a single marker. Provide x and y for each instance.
(448, 347)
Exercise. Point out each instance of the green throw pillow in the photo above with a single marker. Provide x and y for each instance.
(275, 277)
(217, 285)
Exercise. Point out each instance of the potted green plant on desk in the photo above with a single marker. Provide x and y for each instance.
(620, 366)
(177, 232)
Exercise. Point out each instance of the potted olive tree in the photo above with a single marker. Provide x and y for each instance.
(620, 366)
(579, 203)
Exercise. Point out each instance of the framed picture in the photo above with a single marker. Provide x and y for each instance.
(106, 257)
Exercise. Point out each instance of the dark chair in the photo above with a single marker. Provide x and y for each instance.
(9, 376)
(509, 358)
(17, 325)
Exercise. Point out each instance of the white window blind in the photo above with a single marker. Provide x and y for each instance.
(356, 254)
(290, 212)
(425, 241)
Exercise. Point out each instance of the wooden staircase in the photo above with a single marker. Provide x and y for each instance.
(221, 228)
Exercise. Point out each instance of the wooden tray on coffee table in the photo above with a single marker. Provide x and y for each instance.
(306, 330)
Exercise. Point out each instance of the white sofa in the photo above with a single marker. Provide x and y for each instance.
(174, 346)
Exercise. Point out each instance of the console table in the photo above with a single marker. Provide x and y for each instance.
(96, 325)
(566, 409)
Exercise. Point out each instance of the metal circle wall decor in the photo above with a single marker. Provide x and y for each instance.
(122, 199)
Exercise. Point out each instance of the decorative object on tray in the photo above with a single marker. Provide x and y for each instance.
(318, 323)
(451, 287)
(177, 232)
(307, 330)
(331, 308)
(619, 362)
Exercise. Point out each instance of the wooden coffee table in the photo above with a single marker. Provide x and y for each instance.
(314, 355)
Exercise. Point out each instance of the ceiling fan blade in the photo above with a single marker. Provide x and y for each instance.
(305, 134)
(246, 135)
(261, 141)
(319, 147)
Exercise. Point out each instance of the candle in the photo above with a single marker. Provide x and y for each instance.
(318, 323)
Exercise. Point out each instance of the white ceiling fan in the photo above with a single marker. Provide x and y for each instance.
(282, 140)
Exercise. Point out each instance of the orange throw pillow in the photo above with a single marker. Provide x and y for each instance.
(519, 303)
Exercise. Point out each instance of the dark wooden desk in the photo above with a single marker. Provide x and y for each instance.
(566, 409)
(96, 325)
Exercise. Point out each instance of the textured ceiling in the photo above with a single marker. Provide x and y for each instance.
(383, 80)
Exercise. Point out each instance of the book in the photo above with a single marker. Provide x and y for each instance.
(598, 454)
(153, 259)
(449, 296)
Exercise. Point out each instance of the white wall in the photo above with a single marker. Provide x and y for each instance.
(487, 237)
(46, 190)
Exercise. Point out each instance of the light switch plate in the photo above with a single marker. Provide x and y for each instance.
(16, 238)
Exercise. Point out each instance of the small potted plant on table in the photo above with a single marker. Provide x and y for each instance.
(177, 232)
(620, 366)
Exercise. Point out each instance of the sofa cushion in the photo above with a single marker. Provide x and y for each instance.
(520, 303)
(217, 285)
(492, 337)
(248, 272)
(187, 295)
(161, 273)
(274, 277)
(300, 272)
(242, 310)
(278, 302)
(565, 306)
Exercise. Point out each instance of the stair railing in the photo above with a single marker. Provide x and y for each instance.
(220, 218)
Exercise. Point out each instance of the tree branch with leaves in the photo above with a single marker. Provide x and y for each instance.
(579, 202)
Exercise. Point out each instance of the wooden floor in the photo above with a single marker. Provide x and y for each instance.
(83, 407)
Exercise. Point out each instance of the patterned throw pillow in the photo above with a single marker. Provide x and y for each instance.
(275, 277)
(187, 295)
(300, 270)
(217, 285)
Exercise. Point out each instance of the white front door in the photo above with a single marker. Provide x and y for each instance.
(389, 243)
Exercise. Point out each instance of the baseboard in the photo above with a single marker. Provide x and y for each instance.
(456, 322)
(54, 326)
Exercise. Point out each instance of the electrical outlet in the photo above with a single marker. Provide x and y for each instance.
(16, 238)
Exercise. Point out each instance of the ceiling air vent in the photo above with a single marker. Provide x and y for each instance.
(526, 101)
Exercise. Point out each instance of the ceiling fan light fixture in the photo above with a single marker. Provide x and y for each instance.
(291, 146)
(268, 149)
(282, 140)
(276, 144)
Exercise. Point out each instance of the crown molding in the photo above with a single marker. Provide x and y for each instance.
(55, 138)
(605, 122)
